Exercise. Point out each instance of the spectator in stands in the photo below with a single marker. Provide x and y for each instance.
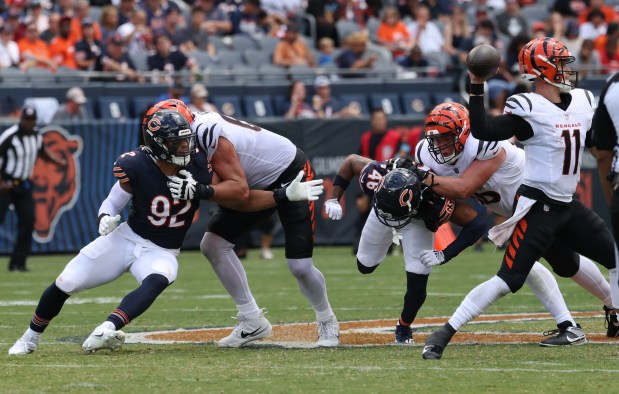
(196, 37)
(510, 21)
(292, 49)
(136, 33)
(325, 21)
(82, 11)
(176, 91)
(587, 61)
(594, 27)
(154, 14)
(456, 30)
(9, 51)
(609, 55)
(126, 8)
(609, 12)
(73, 109)
(115, 59)
(217, 21)
(415, 59)
(13, 23)
(325, 105)
(34, 52)
(425, 33)
(88, 50)
(198, 99)
(392, 33)
(298, 108)
(63, 7)
(168, 58)
(354, 55)
(484, 34)
(109, 22)
(326, 49)
(35, 14)
(250, 20)
(53, 28)
(61, 47)
(173, 27)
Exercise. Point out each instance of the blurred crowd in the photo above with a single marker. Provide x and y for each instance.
(430, 37)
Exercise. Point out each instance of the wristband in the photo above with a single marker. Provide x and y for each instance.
(477, 89)
(204, 192)
(341, 182)
(279, 195)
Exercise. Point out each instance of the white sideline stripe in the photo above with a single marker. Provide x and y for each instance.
(105, 300)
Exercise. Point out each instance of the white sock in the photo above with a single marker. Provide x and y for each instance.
(108, 325)
(614, 287)
(478, 300)
(250, 310)
(313, 286)
(31, 336)
(545, 287)
(590, 278)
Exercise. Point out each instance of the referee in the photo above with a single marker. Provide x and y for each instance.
(20, 145)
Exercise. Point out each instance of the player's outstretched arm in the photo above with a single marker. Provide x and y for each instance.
(350, 168)
(471, 180)
(232, 188)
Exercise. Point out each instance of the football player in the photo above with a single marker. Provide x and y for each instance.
(552, 124)
(491, 172)
(147, 245)
(416, 221)
(247, 158)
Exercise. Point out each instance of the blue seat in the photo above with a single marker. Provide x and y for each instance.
(228, 105)
(141, 104)
(389, 102)
(258, 106)
(446, 97)
(113, 108)
(281, 104)
(358, 101)
(416, 103)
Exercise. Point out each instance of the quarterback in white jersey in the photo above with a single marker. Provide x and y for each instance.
(553, 124)
(245, 158)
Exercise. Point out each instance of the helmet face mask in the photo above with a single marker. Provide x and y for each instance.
(168, 137)
(397, 198)
(548, 59)
(447, 128)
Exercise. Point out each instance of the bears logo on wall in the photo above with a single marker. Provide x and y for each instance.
(55, 190)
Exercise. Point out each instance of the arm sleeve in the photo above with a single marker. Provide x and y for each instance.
(467, 237)
(498, 128)
(115, 201)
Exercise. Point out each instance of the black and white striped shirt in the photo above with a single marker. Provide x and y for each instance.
(18, 153)
(606, 121)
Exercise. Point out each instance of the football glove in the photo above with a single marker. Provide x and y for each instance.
(183, 186)
(304, 191)
(430, 258)
(108, 223)
(333, 209)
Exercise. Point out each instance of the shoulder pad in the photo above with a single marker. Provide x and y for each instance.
(519, 104)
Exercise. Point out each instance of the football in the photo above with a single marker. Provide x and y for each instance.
(483, 61)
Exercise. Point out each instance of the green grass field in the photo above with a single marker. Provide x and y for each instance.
(197, 300)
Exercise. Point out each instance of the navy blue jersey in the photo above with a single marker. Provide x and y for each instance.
(154, 214)
(434, 209)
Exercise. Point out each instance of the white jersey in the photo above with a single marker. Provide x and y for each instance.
(554, 153)
(500, 189)
(263, 154)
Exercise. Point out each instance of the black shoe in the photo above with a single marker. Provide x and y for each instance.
(565, 335)
(12, 268)
(612, 323)
(403, 334)
(22, 269)
(432, 352)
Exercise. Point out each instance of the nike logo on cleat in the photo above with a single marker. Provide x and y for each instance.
(247, 334)
(427, 348)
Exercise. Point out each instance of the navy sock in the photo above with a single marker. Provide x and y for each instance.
(49, 306)
(138, 301)
(414, 298)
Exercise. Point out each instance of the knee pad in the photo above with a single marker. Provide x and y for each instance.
(365, 270)
(300, 267)
(213, 247)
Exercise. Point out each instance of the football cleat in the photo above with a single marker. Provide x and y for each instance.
(403, 334)
(103, 338)
(612, 323)
(22, 347)
(328, 332)
(565, 335)
(432, 352)
(247, 330)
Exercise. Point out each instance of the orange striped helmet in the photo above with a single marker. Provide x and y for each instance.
(447, 128)
(546, 58)
(171, 104)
